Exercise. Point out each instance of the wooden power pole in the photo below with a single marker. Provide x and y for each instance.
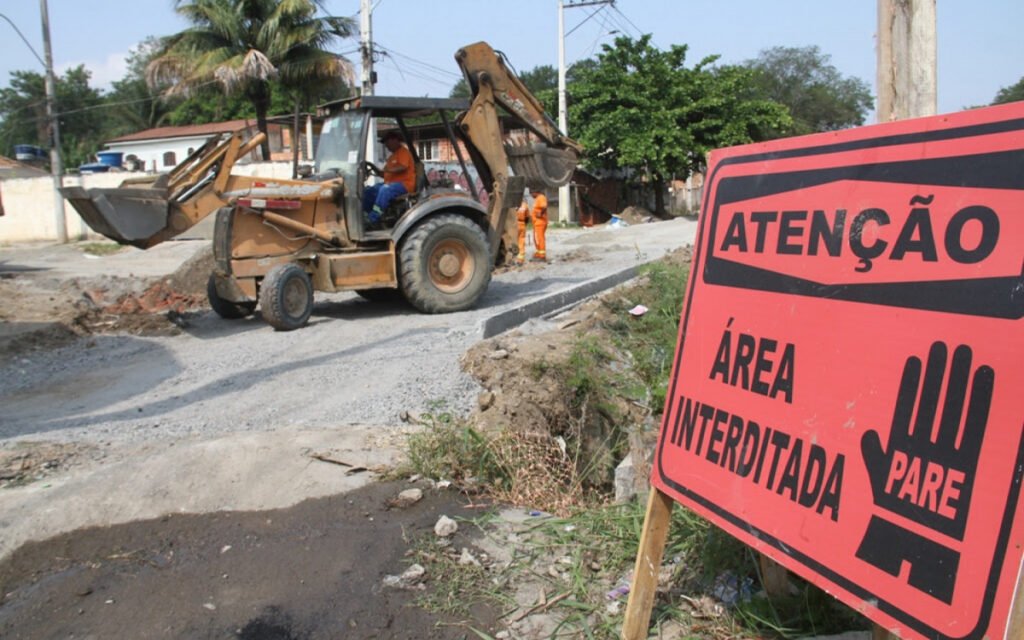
(906, 59)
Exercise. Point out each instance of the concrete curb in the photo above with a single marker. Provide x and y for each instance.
(512, 318)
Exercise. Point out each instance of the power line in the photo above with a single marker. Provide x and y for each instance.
(23, 39)
(639, 32)
(412, 60)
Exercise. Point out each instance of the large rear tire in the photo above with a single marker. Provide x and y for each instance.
(286, 297)
(226, 308)
(445, 264)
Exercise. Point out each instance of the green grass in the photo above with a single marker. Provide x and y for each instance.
(600, 542)
(100, 248)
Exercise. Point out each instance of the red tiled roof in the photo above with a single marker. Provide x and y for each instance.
(187, 131)
(14, 169)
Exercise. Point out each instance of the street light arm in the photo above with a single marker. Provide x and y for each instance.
(23, 39)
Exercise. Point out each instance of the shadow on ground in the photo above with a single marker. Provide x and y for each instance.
(311, 571)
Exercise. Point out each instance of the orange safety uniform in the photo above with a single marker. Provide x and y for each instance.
(522, 214)
(539, 213)
(401, 158)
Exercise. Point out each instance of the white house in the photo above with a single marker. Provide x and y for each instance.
(160, 149)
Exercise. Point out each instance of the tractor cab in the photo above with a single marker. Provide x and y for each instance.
(350, 147)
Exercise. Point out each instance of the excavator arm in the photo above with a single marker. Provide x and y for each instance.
(146, 211)
(546, 163)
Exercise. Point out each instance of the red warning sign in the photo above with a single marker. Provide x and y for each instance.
(848, 389)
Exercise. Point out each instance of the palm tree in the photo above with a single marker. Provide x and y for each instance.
(244, 44)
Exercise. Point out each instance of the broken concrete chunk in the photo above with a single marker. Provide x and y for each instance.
(445, 527)
(408, 497)
(468, 558)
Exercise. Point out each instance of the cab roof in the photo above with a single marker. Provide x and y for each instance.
(391, 106)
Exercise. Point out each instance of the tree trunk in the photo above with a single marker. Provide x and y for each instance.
(659, 196)
(261, 101)
(295, 142)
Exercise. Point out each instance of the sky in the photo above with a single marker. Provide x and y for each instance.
(980, 47)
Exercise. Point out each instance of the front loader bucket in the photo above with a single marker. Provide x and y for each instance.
(125, 215)
(541, 165)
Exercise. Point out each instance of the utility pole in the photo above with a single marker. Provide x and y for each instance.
(564, 192)
(56, 164)
(366, 47)
(906, 59)
(368, 75)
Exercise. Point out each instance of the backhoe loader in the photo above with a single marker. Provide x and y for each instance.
(278, 241)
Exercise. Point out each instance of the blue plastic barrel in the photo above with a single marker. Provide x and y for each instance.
(110, 158)
(28, 152)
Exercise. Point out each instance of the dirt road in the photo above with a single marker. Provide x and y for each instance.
(226, 417)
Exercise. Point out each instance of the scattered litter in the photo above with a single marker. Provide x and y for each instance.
(410, 578)
(445, 527)
(110, 601)
(225, 548)
(443, 484)
(498, 354)
(210, 606)
(638, 311)
(614, 607)
(415, 477)
(407, 498)
(704, 607)
(621, 588)
(617, 223)
(536, 513)
(731, 590)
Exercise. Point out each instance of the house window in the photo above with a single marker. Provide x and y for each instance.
(428, 149)
(169, 160)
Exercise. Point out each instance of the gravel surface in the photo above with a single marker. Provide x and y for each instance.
(357, 362)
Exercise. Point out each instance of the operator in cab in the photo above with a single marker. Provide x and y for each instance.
(399, 175)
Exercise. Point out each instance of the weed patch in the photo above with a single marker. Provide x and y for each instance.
(100, 248)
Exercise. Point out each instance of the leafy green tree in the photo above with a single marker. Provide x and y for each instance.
(134, 105)
(818, 96)
(642, 109)
(243, 45)
(23, 114)
(1012, 93)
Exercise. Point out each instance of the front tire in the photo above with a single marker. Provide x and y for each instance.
(445, 264)
(286, 297)
(226, 308)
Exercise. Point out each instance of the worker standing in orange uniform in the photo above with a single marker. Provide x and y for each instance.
(539, 214)
(522, 215)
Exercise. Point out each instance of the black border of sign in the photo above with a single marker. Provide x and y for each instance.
(864, 593)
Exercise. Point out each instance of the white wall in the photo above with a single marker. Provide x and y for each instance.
(29, 203)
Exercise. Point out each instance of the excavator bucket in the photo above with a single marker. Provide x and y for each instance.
(126, 215)
(541, 165)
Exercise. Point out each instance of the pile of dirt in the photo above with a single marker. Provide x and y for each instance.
(528, 390)
(44, 313)
(525, 377)
(637, 215)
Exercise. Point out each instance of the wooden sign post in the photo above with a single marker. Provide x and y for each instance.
(846, 391)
